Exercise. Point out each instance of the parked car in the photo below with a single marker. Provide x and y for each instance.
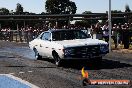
(68, 44)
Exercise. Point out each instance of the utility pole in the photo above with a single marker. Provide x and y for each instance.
(110, 27)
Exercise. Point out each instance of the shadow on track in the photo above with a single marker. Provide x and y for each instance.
(106, 64)
(78, 64)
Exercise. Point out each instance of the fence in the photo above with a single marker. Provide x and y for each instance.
(18, 36)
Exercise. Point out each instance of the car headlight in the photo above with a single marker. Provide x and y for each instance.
(68, 51)
(104, 48)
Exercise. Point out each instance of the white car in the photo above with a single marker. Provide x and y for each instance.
(68, 44)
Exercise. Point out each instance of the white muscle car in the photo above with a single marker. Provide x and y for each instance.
(62, 44)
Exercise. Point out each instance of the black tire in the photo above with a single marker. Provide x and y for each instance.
(97, 61)
(57, 59)
(37, 56)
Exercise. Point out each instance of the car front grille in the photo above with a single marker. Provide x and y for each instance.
(85, 51)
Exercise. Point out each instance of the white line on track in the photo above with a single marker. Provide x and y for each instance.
(30, 71)
(20, 80)
(21, 72)
(11, 73)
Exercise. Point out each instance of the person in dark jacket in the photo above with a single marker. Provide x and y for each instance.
(126, 37)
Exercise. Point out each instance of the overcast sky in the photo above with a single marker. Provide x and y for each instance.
(97, 6)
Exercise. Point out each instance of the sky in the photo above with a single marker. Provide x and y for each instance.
(95, 6)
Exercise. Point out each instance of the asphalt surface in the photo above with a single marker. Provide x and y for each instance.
(18, 60)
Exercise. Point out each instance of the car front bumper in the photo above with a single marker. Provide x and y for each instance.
(83, 58)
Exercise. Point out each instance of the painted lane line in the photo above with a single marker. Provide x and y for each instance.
(11, 73)
(20, 80)
(21, 72)
(30, 71)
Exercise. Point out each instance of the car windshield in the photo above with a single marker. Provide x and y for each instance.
(68, 35)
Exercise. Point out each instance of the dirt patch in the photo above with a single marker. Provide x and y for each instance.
(124, 51)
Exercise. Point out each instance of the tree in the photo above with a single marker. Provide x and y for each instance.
(19, 9)
(60, 7)
(4, 11)
(127, 9)
(87, 12)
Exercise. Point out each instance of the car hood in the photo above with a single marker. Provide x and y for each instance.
(81, 42)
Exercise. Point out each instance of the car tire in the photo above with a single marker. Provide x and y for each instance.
(57, 59)
(97, 61)
(37, 56)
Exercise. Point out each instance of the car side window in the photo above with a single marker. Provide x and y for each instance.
(40, 36)
(46, 36)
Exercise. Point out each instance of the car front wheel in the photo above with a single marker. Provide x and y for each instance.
(97, 61)
(57, 59)
(37, 56)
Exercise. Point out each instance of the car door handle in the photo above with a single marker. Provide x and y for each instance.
(41, 45)
(46, 47)
(36, 45)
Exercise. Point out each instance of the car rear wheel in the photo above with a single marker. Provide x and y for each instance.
(37, 56)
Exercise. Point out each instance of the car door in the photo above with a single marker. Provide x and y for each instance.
(45, 44)
(38, 43)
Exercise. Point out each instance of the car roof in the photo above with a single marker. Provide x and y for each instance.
(53, 30)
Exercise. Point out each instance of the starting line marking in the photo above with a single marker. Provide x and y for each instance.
(30, 71)
(21, 72)
(11, 73)
(12, 78)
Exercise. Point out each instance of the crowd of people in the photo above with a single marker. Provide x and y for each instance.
(121, 33)
(23, 34)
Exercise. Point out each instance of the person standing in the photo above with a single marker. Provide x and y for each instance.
(126, 37)
(105, 30)
(98, 30)
(93, 34)
(115, 35)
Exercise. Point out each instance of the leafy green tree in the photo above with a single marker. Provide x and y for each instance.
(19, 9)
(116, 11)
(60, 7)
(87, 12)
(127, 9)
(129, 17)
(4, 11)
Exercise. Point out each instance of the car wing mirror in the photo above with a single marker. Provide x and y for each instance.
(48, 39)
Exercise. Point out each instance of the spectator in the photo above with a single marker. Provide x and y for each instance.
(20, 34)
(105, 30)
(125, 34)
(93, 34)
(98, 31)
(119, 33)
(115, 35)
(30, 33)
